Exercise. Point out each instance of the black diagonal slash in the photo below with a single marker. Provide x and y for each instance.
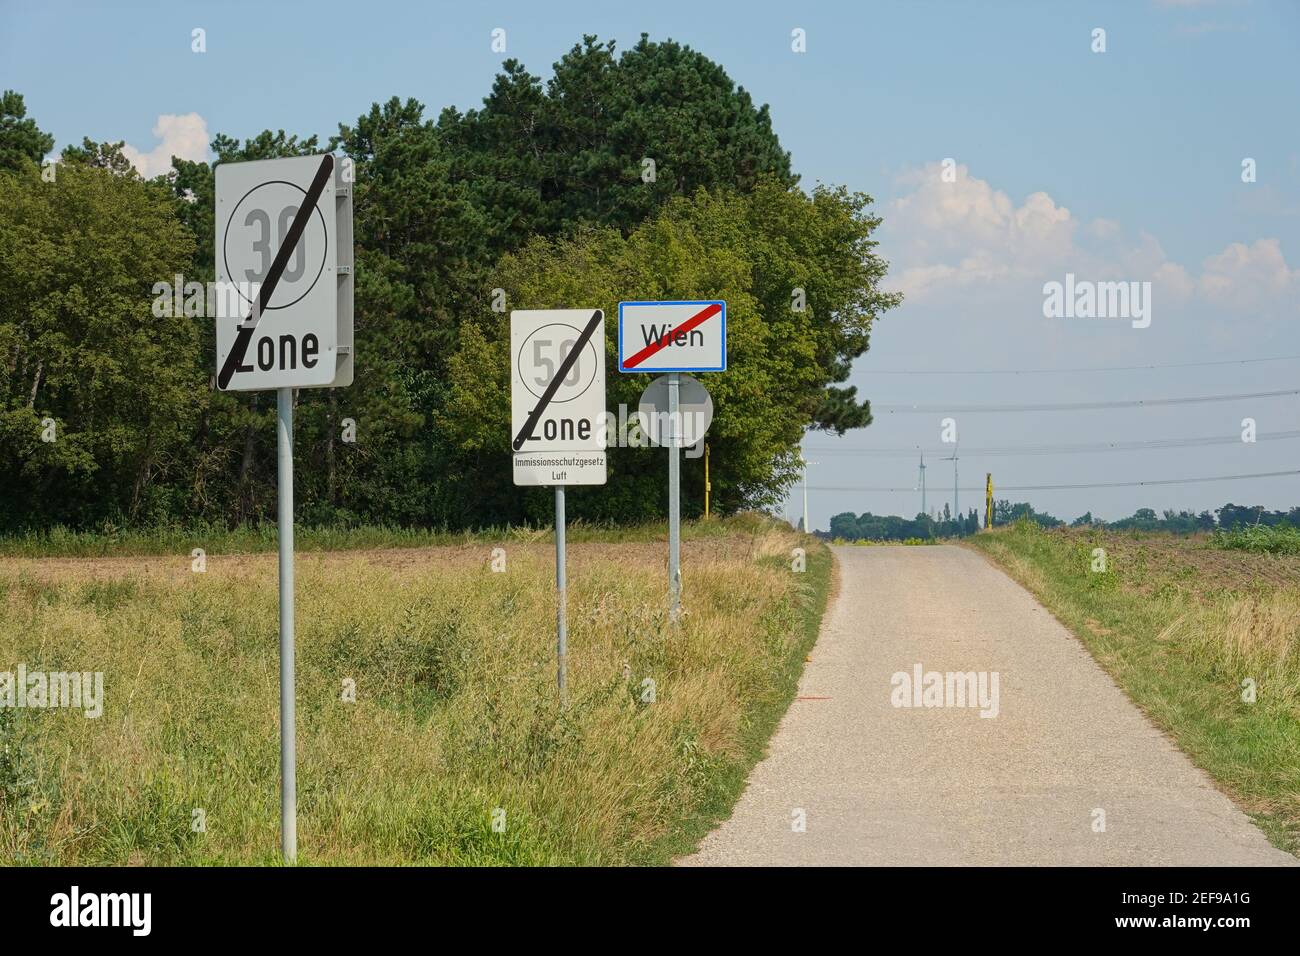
(524, 433)
(236, 356)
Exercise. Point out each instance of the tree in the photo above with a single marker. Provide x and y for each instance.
(21, 140)
(548, 160)
(107, 156)
(845, 526)
(80, 348)
(1232, 516)
(645, 172)
(421, 266)
(1004, 512)
(739, 247)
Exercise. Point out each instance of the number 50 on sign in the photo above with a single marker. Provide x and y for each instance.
(557, 396)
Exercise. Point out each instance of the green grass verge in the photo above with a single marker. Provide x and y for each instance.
(1186, 634)
(60, 542)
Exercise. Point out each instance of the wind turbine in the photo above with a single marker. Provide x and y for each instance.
(923, 483)
(953, 458)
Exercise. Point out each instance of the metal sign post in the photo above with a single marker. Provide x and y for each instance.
(288, 723)
(561, 587)
(708, 486)
(674, 501)
(675, 412)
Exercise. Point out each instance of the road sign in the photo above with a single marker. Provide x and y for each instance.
(557, 396)
(284, 253)
(694, 411)
(672, 336)
(284, 321)
(557, 420)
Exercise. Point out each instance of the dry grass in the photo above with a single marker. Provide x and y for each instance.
(1256, 635)
(455, 715)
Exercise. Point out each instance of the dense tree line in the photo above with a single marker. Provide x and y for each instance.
(868, 527)
(646, 174)
(1005, 512)
(850, 527)
(1186, 522)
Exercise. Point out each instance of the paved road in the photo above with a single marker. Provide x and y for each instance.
(880, 784)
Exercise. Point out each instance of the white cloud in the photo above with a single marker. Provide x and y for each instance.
(1104, 228)
(962, 237)
(1172, 280)
(988, 235)
(183, 135)
(1248, 276)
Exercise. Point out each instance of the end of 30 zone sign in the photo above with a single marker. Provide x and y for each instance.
(672, 336)
(284, 244)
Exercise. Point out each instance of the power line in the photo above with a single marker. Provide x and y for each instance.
(1141, 445)
(1080, 406)
(1090, 368)
(1102, 484)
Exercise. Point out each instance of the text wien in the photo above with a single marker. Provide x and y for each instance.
(654, 333)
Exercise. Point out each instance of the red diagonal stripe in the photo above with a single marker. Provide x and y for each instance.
(697, 319)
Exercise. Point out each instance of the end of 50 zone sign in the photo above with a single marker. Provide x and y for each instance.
(557, 396)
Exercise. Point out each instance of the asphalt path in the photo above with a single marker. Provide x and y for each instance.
(1068, 772)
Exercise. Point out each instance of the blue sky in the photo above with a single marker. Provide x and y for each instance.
(1123, 165)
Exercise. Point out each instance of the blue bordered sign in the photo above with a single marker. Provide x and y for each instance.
(686, 336)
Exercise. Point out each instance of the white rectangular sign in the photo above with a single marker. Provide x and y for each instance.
(560, 468)
(284, 265)
(557, 396)
(672, 336)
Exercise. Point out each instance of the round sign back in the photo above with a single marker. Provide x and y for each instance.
(694, 407)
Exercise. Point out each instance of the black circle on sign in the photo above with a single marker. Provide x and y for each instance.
(577, 333)
(226, 236)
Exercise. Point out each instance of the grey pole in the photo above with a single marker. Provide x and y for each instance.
(955, 510)
(288, 736)
(923, 511)
(561, 585)
(674, 502)
(805, 495)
